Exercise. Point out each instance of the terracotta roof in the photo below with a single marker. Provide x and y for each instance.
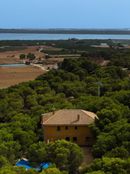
(69, 117)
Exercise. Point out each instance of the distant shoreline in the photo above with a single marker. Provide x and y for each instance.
(67, 31)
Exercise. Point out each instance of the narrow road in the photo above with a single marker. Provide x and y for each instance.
(39, 66)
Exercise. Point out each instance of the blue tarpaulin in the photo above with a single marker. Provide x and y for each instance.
(44, 165)
(25, 164)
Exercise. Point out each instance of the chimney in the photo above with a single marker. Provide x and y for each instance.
(77, 119)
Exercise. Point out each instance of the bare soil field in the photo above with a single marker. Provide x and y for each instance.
(13, 56)
(13, 75)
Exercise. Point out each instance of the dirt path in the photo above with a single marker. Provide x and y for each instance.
(88, 158)
(39, 66)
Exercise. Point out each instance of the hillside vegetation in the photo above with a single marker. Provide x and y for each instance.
(74, 85)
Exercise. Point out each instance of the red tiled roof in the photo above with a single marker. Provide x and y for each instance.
(69, 117)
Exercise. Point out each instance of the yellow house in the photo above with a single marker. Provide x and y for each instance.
(69, 124)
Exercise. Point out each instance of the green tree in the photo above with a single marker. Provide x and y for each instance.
(66, 155)
(118, 152)
(22, 56)
(52, 171)
(37, 153)
(31, 56)
(3, 162)
(110, 166)
(7, 170)
(96, 172)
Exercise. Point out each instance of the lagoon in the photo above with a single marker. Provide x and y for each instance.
(26, 36)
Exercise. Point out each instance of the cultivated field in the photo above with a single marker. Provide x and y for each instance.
(11, 76)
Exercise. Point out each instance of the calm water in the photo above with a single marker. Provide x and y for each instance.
(13, 65)
(14, 36)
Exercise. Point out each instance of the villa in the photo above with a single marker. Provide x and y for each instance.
(69, 124)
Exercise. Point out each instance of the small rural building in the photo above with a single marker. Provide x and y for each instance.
(69, 124)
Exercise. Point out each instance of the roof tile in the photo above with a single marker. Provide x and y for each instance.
(69, 117)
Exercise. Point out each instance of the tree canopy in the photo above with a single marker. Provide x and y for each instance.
(73, 85)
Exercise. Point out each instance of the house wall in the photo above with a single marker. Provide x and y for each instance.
(82, 133)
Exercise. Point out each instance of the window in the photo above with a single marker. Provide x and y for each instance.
(76, 127)
(75, 139)
(58, 128)
(67, 138)
(66, 127)
(88, 139)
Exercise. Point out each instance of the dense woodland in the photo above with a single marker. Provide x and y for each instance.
(75, 84)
